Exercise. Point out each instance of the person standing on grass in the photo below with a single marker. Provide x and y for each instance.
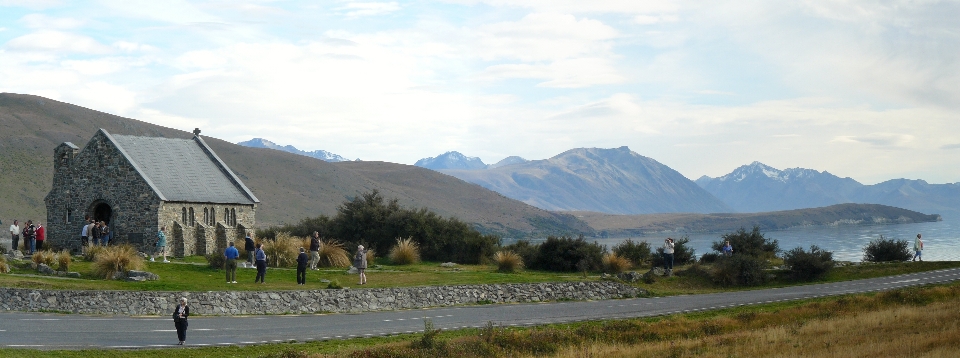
(668, 247)
(360, 262)
(231, 254)
(261, 262)
(94, 232)
(84, 239)
(14, 235)
(180, 315)
(161, 245)
(314, 250)
(302, 260)
(249, 247)
(918, 248)
(30, 236)
(104, 233)
(41, 235)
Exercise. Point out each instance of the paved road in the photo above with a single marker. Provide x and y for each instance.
(55, 331)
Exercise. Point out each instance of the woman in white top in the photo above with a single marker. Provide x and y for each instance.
(14, 235)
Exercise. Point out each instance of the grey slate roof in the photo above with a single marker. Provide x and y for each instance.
(183, 170)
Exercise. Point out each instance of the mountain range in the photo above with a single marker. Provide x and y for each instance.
(318, 154)
(455, 160)
(757, 187)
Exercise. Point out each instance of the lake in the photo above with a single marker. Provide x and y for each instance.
(941, 240)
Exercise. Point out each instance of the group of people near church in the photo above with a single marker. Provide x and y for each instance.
(95, 232)
(257, 258)
(33, 235)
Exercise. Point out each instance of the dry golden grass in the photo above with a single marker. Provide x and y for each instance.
(614, 264)
(405, 253)
(63, 260)
(113, 259)
(283, 250)
(91, 251)
(508, 261)
(45, 257)
(332, 254)
(4, 267)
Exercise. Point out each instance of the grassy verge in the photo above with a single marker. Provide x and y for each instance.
(919, 321)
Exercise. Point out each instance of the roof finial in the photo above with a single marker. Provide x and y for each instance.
(196, 132)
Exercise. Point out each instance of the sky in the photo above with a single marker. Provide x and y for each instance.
(861, 89)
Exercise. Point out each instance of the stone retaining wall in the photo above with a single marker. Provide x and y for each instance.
(307, 301)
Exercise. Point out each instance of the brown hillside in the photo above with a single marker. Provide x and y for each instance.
(289, 186)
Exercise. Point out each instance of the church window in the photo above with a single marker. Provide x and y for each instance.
(184, 218)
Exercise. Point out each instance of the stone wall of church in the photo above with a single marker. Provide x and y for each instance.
(201, 234)
(99, 174)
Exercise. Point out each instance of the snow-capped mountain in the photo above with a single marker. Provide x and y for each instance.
(451, 160)
(319, 154)
(758, 188)
(513, 159)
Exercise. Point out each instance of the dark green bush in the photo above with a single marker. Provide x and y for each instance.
(216, 260)
(527, 251)
(567, 255)
(810, 265)
(740, 270)
(709, 257)
(884, 250)
(682, 253)
(636, 252)
(751, 243)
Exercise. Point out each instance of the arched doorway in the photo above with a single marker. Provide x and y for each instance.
(102, 212)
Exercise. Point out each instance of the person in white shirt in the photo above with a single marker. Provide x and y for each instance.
(15, 235)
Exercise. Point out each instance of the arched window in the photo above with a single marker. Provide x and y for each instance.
(213, 216)
(184, 221)
(206, 216)
(192, 217)
(226, 216)
(69, 216)
(233, 217)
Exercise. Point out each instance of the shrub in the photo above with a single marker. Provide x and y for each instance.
(614, 264)
(528, 252)
(884, 250)
(636, 252)
(751, 243)
(332, 254)
(63, 260)
(405, 253)
(709, 257)
(3, 250)
(565, 254)
(508, 261)
(4, 267)
(43, 257)
(215, 260)
(334, 285)
(810, 265)
(282, 251)
(740, 270)
(682, 253)
(429, 340)
(91, 252)
(113, 259)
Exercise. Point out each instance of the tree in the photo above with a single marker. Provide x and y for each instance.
(810, 265)
(752, 243)
(884, 250)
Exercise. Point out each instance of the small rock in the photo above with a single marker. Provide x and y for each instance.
(325, 281)
(629, 276)
(15, 255)
(448, 264)
(147, 276)
(46, 270)
(73, 274)
(352, 270)
(136, 278)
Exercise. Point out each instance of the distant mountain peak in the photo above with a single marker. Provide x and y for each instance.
(318, 154)
(451, 160)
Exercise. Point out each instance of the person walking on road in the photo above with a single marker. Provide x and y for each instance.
(302, 261)
(160, 247)
(360, 262)
(261, 262)
(918, 248)
(314, 250)
(668, 247)
(14, 235)
(231, 254)
(249, 247)
(180, 315)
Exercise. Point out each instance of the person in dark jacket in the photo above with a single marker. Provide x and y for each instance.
(180, 315)
(302, 267)
(30, 237)
(360, 262)
(261, 261)
(249, 247)
(231, 254)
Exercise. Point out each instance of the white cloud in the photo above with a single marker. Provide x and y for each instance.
(41, 21)
(571, 73)
(57, 41)
(879, 139)
(169, 11)
(31, 4)
(544, 37)
(359, 9)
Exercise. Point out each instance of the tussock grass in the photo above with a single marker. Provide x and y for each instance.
(91, 251)
(614, 264)
(4, 267)
(282, 251)
(114, 259)
(63, 260)
(332, 254)
(405, 253)
(45, 257)
(508, 261)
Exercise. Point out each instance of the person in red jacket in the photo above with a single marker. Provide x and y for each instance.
(41, 235)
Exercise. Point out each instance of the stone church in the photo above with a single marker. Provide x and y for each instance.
(139, 184)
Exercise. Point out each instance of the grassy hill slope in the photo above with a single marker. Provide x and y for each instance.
(289, 186)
